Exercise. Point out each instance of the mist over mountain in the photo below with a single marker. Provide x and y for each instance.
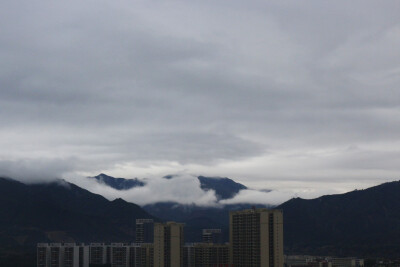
(195, 216)
(224, 188)
(118, 183)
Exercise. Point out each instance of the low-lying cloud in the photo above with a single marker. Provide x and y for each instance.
(184, 189)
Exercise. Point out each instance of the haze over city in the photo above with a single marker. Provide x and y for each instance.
(301, 98)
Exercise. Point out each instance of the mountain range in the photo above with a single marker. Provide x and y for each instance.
(364, 223)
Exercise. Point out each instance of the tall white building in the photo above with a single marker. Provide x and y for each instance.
(168, 244)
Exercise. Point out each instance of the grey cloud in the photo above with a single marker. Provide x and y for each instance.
(201, 85)
(37, 169)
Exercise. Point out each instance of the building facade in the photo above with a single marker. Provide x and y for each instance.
(212, 236)
(62, 255)
(206, 255)
(120, 255)
(144, 230)
(256, 238)
(95, 254)
(168, 244)
(99, 253)
(142, 255)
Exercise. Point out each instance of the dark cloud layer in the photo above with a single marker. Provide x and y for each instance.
(274, 94)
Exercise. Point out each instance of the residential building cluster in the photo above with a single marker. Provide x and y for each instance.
(256, 240)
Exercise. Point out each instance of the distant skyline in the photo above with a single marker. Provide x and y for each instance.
(299, 97)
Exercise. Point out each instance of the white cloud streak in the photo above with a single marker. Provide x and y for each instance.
(183, 188)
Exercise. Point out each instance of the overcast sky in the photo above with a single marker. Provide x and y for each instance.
(299, 96)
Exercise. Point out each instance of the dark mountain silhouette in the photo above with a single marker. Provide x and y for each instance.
(61, 211)
(58, 212)
(363, 223)
(224, 188)
(118, 183)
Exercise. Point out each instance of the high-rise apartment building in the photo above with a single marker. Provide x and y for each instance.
(168, 244)
(256, 238)
(144, 230)
(212, 236)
